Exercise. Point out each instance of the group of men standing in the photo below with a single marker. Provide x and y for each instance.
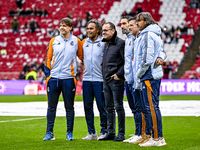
(110, 64)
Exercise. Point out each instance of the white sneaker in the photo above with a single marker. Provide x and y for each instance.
(134, 138)
(90, 136)
(132, 135)
(151, 142)
(162, 142)
(101, 136)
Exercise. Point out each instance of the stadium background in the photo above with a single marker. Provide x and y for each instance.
(24, 48)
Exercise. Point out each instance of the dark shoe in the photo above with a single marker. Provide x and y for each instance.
(119, 138)
(108, 137)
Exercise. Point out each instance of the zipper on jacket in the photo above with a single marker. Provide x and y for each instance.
(91, 61)
(106, 54)
(62, 60)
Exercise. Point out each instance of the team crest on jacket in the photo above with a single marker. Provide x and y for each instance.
(72, 43)
(87, 45)
(99, 45)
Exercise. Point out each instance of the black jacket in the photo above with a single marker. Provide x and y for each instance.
(113, 58)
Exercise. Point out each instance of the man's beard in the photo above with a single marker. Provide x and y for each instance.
(125, 31)
(92, 37)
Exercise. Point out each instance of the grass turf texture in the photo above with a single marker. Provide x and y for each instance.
(180, 133)
(32, 98)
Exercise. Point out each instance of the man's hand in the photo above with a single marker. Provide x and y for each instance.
(115, 77)
(159, 61)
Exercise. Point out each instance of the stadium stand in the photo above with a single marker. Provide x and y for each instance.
(25, 47)
(167, 13)
(193, 72)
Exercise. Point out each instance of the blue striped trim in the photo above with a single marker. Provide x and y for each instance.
(145, 49)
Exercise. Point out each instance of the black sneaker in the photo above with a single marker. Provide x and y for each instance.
(108, 136)
(119, 138)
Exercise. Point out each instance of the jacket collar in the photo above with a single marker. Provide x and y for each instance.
(128, 35)
(138, 35)
(96, 41)
(68, 38)
(112, 40)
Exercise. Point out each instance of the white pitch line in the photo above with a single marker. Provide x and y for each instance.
(39, 109)
(22, 119)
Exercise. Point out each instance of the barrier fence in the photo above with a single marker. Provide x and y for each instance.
(168, 87)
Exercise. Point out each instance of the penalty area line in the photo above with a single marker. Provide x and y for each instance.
(27, 119)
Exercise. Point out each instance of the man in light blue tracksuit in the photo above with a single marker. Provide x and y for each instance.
(147, 75)
(128, 73)
(60, 70)
(132, 94)
(93, 50)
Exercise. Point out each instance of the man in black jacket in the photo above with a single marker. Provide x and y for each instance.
(113, 76)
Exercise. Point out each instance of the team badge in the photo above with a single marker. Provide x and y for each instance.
(99, 45)
(72, 43)
(87, 45)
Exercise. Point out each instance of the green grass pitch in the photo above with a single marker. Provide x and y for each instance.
(32, 98)
(181, 133)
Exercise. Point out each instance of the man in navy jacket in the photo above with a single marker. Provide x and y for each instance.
(113, 76)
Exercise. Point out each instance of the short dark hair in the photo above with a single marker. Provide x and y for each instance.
(112, 26)
(132, 18)
(97, 23)
(68, 22)
(125, 17)
(146, 17)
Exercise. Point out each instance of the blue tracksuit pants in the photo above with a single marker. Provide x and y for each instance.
(93, 90)
(68, 89)
(134, 106)
(150, 107)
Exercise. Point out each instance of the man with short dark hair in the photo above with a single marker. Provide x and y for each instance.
(113, 76)
(93, 49)
(128, 73)
(60, 70)
(147, 76)
(124, 24)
